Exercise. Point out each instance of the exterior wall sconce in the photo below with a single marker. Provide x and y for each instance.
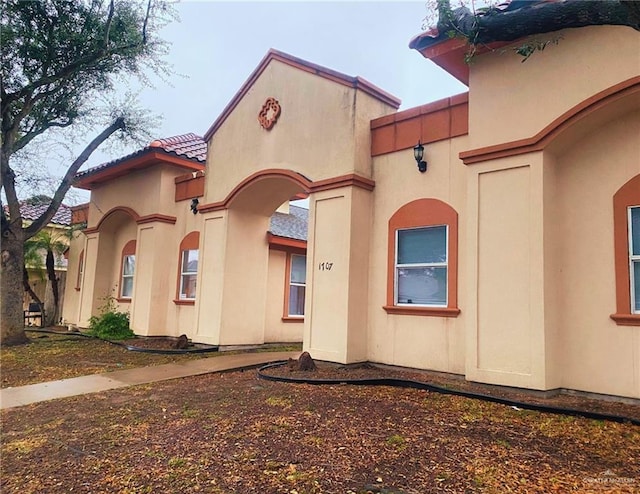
(418, 153)
(194, 205)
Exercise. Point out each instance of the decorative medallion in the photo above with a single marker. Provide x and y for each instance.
(269, 113)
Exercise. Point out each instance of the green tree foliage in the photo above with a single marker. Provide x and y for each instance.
(51, 245)
(58, 56)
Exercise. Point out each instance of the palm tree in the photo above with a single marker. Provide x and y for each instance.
(52, 244)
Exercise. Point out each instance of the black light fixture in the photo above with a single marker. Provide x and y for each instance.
(418, 153)
(194, 205)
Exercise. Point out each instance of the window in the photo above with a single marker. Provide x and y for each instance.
(626, 232)
(188, 269)
(128, 269)
(422, 266)
(297, 285)
(634, 257)
(188, 274)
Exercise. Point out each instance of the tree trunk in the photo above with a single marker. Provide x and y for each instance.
(12, 264)
(51, 312)
(27, 287)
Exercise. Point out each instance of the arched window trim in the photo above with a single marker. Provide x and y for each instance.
(416, 214)
(190, 242)
(626, 197)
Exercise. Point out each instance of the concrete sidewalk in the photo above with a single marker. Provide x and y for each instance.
(34, 393)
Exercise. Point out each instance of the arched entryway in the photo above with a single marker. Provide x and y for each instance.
(110, 262)
(234, 293)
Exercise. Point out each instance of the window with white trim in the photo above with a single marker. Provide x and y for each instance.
(634, 257)
(421, 266)
(188, 274)
(297, 285)
(128, 270)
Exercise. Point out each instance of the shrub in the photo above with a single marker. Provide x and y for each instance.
(110, 324)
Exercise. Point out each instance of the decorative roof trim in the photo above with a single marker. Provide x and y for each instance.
(443, 119)
(332, 75)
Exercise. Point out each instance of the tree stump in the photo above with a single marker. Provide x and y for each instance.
(304, 363)
(182, 342)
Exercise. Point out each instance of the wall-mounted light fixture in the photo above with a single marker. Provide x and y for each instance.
(418, 153)
(194, 205)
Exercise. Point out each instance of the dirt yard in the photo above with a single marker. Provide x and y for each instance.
(236, 434)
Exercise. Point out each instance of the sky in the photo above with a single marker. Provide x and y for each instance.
(216, 45)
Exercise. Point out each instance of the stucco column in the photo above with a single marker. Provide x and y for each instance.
(507, 330)
(231, 298)
(154, 280)
(88, 287)
(337, 275)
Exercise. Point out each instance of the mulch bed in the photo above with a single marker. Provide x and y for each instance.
(577, 401)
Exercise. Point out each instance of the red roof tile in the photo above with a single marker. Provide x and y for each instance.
(32, 212)
(189, 146)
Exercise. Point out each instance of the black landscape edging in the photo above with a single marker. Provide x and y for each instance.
(405, 383)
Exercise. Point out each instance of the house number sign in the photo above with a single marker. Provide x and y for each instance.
(325, 266)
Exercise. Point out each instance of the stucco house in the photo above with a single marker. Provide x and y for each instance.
(514, 259)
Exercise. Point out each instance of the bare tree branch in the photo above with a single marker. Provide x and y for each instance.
(67, 181)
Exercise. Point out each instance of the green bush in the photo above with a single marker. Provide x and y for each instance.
(111, 324)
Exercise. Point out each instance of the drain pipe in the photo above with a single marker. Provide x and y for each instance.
(404, 383)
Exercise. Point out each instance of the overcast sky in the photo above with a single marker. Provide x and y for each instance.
(217, 45)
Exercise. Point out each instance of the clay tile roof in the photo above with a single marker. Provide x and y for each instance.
(32, 212)
(189, 146)
(293, 225)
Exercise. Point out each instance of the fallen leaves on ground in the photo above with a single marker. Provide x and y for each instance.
(233, 433)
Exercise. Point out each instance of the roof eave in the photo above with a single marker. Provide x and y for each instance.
(450, 53)
(138, 161)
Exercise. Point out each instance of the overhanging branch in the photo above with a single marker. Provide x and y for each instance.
(531, 18)
(67, 180)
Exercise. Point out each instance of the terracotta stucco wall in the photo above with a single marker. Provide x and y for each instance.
(538, 220)
(71, 307)
(426, 342)
(320, 133)
(597, 355)
(503, 89)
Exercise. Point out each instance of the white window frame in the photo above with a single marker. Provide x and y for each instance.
(292, 283)
(397, 266)
(183, 274)
(123, 276)
(633, 259)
